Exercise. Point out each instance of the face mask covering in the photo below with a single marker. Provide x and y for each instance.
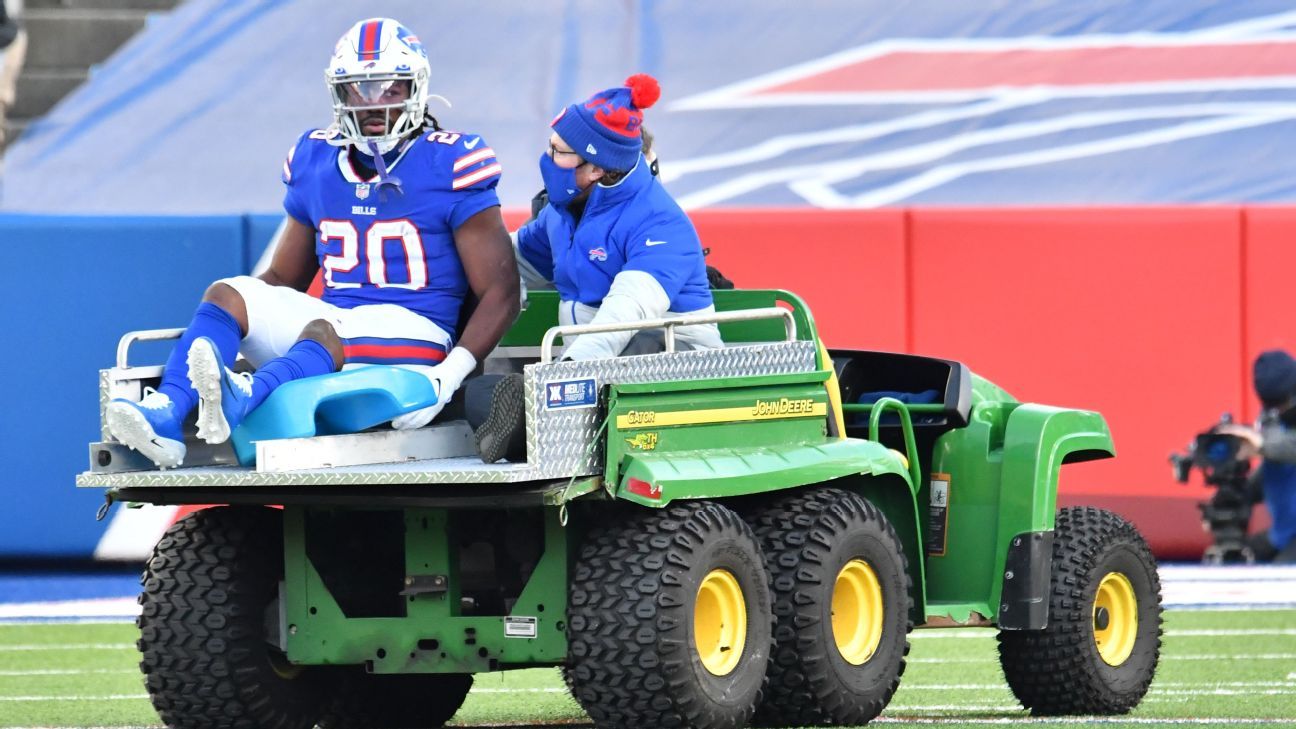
(559, 182)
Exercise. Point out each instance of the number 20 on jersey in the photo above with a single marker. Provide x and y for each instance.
(372, 255)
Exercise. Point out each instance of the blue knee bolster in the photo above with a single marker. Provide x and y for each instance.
(341, 402)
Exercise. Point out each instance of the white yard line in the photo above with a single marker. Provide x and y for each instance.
(1165, 688)
(66, 647)
(1079, 720)
(109, 697)
(69, 672)
(476, 690)
(989, 633)
(1164, 657)
(1221, 692)
(1228, 632)
(106, 607)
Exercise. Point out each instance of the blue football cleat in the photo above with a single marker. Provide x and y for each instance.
(149, 426)
(223, 395)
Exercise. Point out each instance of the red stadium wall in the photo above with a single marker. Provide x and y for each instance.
(1148, 315)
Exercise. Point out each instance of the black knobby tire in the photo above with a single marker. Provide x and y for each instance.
(207, 589)
(808, 539)
(1060, 670)
(400, 701)
(633, 656)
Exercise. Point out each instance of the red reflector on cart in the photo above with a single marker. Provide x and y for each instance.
(643, 488)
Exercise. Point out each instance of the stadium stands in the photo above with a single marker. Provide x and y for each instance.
(63, 39)
(13, 50)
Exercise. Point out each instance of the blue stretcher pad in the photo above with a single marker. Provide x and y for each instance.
(342, 402)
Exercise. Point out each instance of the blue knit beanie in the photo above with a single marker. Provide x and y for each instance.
(1275, 377)
(604, 129)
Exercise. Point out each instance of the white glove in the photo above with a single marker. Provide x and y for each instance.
(446, 378)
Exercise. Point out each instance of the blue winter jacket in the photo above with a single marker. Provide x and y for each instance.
(1278, 474)
(631, 226)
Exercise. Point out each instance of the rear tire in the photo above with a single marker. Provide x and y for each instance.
(841, 600)
(1103, 641)
(400, 701)
(669, 621)
(209, 590)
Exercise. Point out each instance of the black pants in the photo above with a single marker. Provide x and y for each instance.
(1265, 551)
(476, 398)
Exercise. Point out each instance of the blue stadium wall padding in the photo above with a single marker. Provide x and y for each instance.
(260, 229)
(76, 285)
(341, 402)
(836, 103)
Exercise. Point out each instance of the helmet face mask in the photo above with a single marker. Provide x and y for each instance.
(389, 98)
(372, 67)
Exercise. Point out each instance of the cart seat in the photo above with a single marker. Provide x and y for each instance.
(342, 402)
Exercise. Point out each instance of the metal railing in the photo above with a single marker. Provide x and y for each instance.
(146, 335)
(668, 323)
(911, 450)
(546, 346)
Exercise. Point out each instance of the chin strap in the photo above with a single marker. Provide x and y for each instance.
(384, 179)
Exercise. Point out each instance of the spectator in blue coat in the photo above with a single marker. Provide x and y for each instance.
(612, 241)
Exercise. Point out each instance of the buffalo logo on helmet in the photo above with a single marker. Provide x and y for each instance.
(411, 41)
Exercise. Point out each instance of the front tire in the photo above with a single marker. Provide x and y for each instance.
(669, 621)
(1103, 641)
(841, 603)
(209, 589)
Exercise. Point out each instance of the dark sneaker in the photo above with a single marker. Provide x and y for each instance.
(503, 434)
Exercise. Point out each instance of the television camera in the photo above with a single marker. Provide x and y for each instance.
(1224, 460)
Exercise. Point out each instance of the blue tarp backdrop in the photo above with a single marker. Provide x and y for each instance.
(835, 103)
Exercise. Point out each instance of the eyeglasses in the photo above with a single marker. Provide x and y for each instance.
(554, 152)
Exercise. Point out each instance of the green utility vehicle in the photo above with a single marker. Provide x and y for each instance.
(702, 539)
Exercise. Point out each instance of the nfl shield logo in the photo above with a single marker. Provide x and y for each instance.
(362, 190)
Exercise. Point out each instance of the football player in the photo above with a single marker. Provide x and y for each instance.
(402, 219)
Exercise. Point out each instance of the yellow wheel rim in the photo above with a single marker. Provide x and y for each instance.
(720, 622)
(1115, 618)
(857, 612)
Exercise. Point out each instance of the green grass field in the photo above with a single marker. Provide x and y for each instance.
(1224, 668)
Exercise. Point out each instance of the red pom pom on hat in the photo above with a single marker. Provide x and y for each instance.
(644, 90)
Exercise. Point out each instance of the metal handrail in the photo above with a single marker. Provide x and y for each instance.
(146, 335)
(911, 451)
(865, 407)
(668, 323)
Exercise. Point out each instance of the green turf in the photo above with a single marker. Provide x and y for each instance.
(87, 675)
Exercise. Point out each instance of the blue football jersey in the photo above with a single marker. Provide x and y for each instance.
(397, 247)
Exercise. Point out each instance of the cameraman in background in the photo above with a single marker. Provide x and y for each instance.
(1275, 442)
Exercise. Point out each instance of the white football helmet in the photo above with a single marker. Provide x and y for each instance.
(367, 63)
